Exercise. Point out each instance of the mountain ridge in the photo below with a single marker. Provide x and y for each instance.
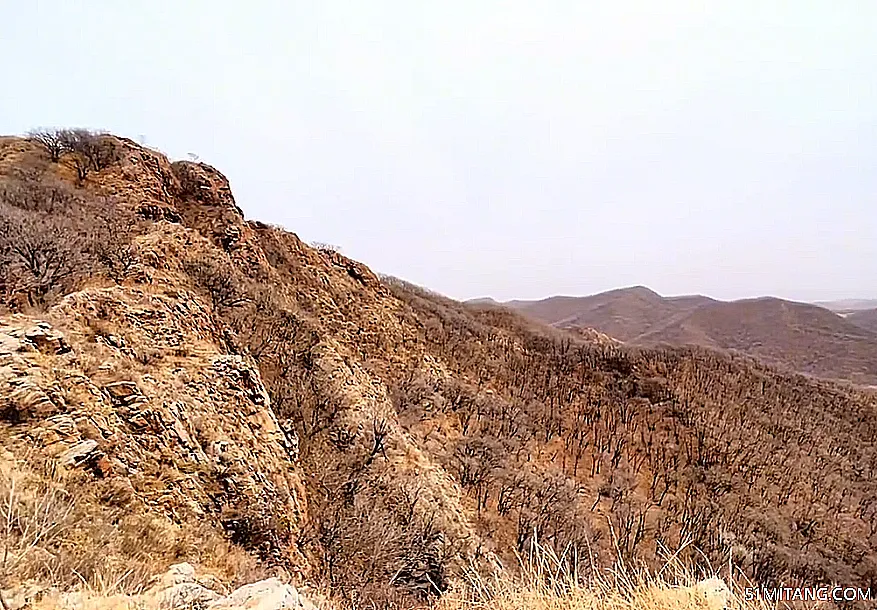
(800, 336)
(198, 386)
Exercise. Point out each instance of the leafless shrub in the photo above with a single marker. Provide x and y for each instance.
(38, 194)
(261, 528)
(377, 542)
(474, 462)
(119, 259)
(220, 281)
(113, 242)
(86, 150)
(80, 164)
(41, 254)
(100, 150)
(52, 141)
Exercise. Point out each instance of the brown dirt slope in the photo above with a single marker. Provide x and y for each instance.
(180, 383)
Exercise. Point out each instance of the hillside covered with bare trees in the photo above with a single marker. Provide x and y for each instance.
(799, 337)
(186, 384)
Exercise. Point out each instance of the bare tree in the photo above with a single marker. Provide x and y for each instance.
(41, 253)
(120, 259)
(51, 140)
(89, 150)
(112, 244)
(42, 194)
(80, 164)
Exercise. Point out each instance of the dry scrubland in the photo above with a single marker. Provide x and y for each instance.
(178, 384)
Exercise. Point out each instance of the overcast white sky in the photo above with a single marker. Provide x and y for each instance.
(512, 149)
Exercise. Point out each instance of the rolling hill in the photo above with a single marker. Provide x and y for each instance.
(799, 336)
(624, 314)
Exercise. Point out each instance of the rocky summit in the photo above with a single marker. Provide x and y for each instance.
(181, 386)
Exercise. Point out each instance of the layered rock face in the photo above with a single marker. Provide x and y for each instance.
(127, 391)
(204, 417)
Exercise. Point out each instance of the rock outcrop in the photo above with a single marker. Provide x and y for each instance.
(180, 588)
(188, 429)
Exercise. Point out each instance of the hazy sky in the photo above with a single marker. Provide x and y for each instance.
(513, 149)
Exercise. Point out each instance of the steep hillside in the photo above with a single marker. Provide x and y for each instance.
(179, 383)
(798, 336)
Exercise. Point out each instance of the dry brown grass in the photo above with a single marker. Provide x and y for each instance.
(56, 534)
(424, 432)
(546, 581)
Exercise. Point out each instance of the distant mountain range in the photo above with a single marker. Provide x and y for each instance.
(848, 305)
(832, 339)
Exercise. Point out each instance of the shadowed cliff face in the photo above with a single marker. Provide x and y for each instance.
(217, 378)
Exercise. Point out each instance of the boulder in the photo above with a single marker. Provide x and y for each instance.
(185, 595)
(715, 591)
(178, 588)
(270, 594)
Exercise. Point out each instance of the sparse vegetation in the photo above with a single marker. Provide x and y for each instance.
(57, 532)
(543, 580)
(53, 236)
(31, 521)
(585, 446)
(94, 150)
(82, 149)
